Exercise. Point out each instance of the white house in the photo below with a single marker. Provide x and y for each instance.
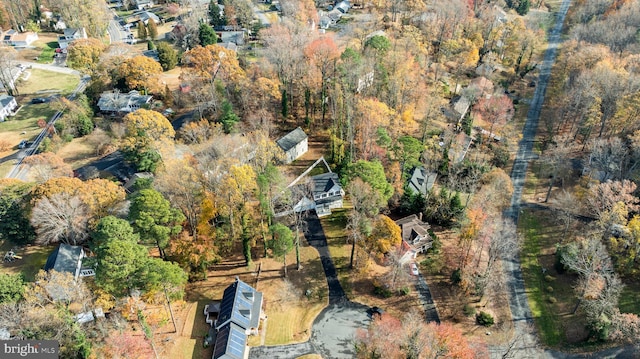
(70, 35)
(115, 102)
(13, 38)
(7, 105)
(294, 144)
(142, 4)
(326, 194)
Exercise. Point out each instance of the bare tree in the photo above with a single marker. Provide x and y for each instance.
(8, 70)
(365, 206)
(62, 217)
(609, 156)
(557, 162)
(566, 204)
(504, 244)
(398, 273)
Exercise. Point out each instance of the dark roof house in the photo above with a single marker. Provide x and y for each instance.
(294, 144)
(327, 193)
(68, 259)
(231, 342)
(421, 181)
(239, 314)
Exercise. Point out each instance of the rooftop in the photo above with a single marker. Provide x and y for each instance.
(291, 139)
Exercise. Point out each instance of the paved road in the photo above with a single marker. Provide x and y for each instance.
(49, 67)
(316, 238)
(20, 172)
(527, 346)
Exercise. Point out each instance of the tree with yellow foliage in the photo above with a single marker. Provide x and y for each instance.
(147, 132)
(84, 54)
(140, 73)
(386, 234)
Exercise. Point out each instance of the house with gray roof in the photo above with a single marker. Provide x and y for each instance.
(294, 144)
(415, 234)
(421, 181)
(70, 35)
(122, 103)
(238, 315)
(327, 193)
(7, 105)
(68, 259)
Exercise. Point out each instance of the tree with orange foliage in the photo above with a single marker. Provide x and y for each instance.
(390, 338)
(125, 344)
(140, 73)
(322, 53)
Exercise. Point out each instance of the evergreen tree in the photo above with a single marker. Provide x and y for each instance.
(217, 19)
(207, 35)
(167, 56)
(228, 117)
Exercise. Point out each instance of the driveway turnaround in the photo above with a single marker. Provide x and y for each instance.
(334, 330)
(332, 335)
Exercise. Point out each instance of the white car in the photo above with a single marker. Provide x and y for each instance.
(414, 269)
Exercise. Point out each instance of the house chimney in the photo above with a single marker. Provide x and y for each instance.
(420, 216)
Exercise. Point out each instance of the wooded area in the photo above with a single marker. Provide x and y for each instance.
(392, 88)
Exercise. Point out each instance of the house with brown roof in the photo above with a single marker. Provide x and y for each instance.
(415, 234)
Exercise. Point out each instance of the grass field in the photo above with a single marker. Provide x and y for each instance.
(32, 261)
(43, 81)
(630, 298)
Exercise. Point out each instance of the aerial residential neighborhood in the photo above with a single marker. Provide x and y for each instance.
(248, 179)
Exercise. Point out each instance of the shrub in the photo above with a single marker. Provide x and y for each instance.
(549, 289)
(404, 291)
(456, 276)
(552, 300)
(468, 310)
(549, 278)
(485, 319)
(383, 292)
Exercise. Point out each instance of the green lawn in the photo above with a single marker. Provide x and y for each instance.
(26, 119)
(48, 51)
(32, 261)
(334, 228)
(630, 298)
(548, 322)
(43, 81)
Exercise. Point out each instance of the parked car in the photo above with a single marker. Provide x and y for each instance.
(39, 100)
(414, 269)
(22, 144)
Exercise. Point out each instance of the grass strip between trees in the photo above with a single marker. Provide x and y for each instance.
(547, 322)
